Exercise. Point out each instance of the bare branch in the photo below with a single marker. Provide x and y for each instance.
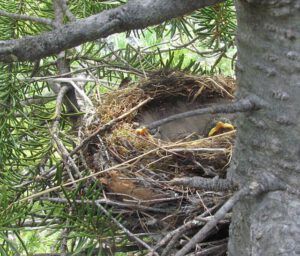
(214, 184)
(183, 228)
(55, 131)
(15, 16)
(242, 105)
(39, 100)
(66, 10)
(63, 66)
(266, 184)
(125, 230)
(136, 14)
(109, 202)
(58, 109)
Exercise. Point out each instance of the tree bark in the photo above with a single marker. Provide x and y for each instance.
(268, 140)
(136, 14)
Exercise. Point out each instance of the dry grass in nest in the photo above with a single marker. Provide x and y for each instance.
(145, 181)
(160, 86)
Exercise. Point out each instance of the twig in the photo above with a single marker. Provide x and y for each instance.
(58, 109)
(118, 166)
(106, 201)
(39, 100)
(180, 230)
(54, 132)
(130, 235)
(243, 105)
(200, 150)
(63, 66)
(174, 239)
(267, 183)
(63, 93)
(186, 44)
(214, 184)
(81, 93)
(220, 87)
(15, 16)
(215, 250)
(66, 10)
(64, 242)
(80, 70)
(65, 79)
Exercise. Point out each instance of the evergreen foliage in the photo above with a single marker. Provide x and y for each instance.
(201, 43)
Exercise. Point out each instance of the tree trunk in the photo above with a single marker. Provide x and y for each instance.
(268, 140)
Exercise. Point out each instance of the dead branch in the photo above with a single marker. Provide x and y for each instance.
(109, 202)
(182, 229)
(126, 231)
(55, 135)
(39, 100)
(63, 66)
(243, 105)
(58, 109)
(267, 183)
(64, 91)
(64, 239)
(215, 250)
(214, 184)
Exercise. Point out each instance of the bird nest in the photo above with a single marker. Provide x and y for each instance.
(141, 166)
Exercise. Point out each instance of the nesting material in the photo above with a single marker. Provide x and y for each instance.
(146, 181)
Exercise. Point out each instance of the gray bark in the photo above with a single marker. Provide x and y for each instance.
(63, 67)
(268, 140)
(136, 14)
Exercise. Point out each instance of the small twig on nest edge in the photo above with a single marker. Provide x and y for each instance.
(109, 125)
(243, 105)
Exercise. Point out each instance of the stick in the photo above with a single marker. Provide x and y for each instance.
(242, 105)
(267, 183)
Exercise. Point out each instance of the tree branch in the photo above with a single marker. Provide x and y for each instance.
(63, 66)
(136, 14)
(66, 10)
(15, 16)
(266, 183)
(243, 105)
(125, 230)
(214, 184)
